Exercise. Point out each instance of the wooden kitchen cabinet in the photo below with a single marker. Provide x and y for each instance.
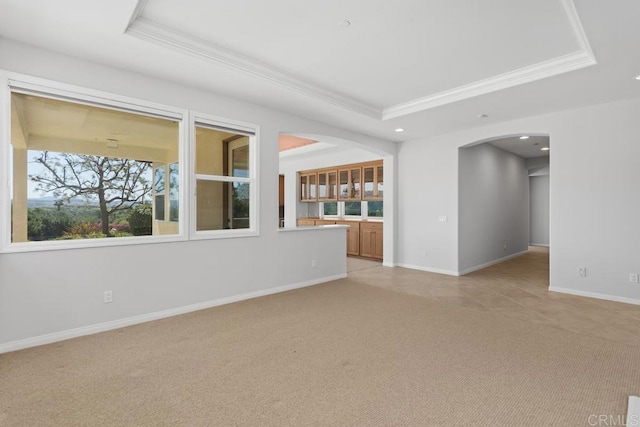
(350, 182)
(325, 222)
(372, 182)
(309, 187)
(328, 186)
(371, 239)
(353, 236)
(306, 222)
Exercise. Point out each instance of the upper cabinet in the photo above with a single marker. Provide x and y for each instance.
(360, 181)
(350, 183)
(380, 181)
(372, 177)
(308, 187)
(328, 186)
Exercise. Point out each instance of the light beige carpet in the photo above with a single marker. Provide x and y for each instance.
(342, 353)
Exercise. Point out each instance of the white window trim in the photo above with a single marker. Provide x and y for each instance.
(19, 83)
(253, 132)
(364, 210)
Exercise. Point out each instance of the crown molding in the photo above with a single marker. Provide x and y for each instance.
(161, 35)
(542, 70)
(574, 61)
(578, 29)
(170, 38)
(137, 13)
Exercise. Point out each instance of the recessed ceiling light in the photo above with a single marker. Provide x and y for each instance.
(638, 77)
(544, 149)
(482, 116)
(399, 130)
(344, 23)
(524, 137)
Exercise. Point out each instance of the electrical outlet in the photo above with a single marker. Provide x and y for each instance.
(314, 263)
(504, 247)
(633, 278)
(108, 297)
(423, 253)
(582, 271)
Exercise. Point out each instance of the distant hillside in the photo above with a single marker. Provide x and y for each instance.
(48, 201)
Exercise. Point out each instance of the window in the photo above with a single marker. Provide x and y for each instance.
(353, 208)
(225, 179)
(89, 169)
(174, 192)
(375, 209)
(158, 192)
(81, 169)
(330, 208)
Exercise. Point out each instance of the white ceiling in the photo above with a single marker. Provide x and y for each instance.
(429, 66)
(526, 148)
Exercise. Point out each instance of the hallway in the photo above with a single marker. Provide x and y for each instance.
(515, 289)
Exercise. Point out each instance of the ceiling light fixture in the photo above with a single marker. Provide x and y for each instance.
(399, 130)
(524, 137)
(637, 77)
(482, 116)
(544, 149)
(345, 23)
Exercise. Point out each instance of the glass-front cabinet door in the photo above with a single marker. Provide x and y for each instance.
(313, 189)
(332, 185)
(368, 175)
(327, 186)
(303, 188)
(373, 179)
(343, 184)
(308, 187)
(380, 182)
(322, 185)
(355, 178)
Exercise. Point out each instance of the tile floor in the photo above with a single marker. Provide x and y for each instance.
(515, 289)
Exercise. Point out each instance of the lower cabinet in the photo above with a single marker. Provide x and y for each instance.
(305, 222)
(353, 236)
(371, 239)
(364, 238)
(325, 222)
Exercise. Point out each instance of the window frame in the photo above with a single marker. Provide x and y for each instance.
(241, 128)
(19, 83)
(365, 212)
(339, 210)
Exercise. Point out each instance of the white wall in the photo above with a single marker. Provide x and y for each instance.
(539, 210)
(594, 197)
(493, 210)
(44, 295)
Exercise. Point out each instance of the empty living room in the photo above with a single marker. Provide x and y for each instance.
(361, 213)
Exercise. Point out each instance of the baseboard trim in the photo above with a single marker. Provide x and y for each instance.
(545, 245)
(633, 410)
(129, 321)
(490, 263)
(595, 295)
(428, 269)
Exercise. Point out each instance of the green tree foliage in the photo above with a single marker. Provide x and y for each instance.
(47, 224)
(140, 221)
